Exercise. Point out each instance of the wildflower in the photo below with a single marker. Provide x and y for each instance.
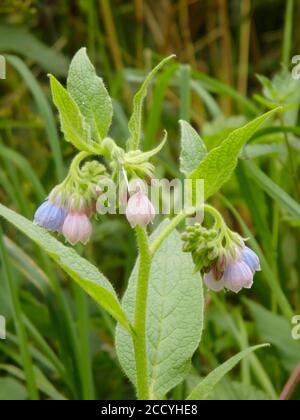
(77, 228)
(238, 271)
(51, 214)
(140, 210)
(213, 281)
(251, 259)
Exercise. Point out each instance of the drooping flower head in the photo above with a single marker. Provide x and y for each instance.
(71, 204)
(238, 271)
(222, 255)
(52, 213)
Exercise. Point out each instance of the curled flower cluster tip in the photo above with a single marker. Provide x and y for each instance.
(223, 257)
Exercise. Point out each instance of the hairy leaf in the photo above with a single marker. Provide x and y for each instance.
(220, 162)
(90, 94)
(73, 124)
(135, 122)
(81, 270)
(174, 318)
(193, 149)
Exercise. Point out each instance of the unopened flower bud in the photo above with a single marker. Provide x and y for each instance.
(77, 228)
(140, 210)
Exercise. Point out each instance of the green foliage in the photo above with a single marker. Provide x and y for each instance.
(20, 41)
(193, 149)
(73, 124)
(219, 164)
(71, 337)
(90, 94)
(174, 318)
(82, 271)
(207, 385)
(135, 122)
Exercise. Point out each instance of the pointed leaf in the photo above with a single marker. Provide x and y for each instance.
(135, 122)
(73, 124)
(90, 94)
(193, 149)
(207, 385)
(81, 270)
(220, 162)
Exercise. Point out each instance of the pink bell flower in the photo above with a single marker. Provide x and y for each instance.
(77, 228)
(140, 210)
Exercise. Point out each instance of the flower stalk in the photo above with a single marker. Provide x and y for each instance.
(140, 314)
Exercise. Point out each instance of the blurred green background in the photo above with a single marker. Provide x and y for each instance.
(221, 47)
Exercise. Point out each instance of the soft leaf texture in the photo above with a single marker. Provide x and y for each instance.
(73, 124)
(90, 94)
(193, 149)
(135, 122)
(174, 318)
(207, 385)
(220, 162)
(82, 271)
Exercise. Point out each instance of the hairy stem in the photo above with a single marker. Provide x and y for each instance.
(176, 221)
(139, 339)
(166, 232)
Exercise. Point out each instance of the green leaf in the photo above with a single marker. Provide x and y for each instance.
(174, 318)
(90, 94)
(15, 39)
(73, 124)
(207, 385)
(193, 149)
(220, 162)
(228, 390)
(135, 122)
(273, 190)
(44, 385)
(12, 390)
(276, 330)
(81, 270)
(44, 110)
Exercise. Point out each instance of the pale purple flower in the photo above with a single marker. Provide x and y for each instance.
(213, 282)
(77, 228)
(50, 215)
(251, 259)
(237, 272)
(237, 276)
(140, 210)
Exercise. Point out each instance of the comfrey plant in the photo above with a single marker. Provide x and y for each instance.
(160, 318)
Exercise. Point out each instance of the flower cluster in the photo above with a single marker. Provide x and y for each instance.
(71, 205)
(222, 255)
(234, 271)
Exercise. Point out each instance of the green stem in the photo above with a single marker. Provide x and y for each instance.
(19, 325)
(166, 232)
(177, 220)
(288, 32)
(139, 339)
(74, 171)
